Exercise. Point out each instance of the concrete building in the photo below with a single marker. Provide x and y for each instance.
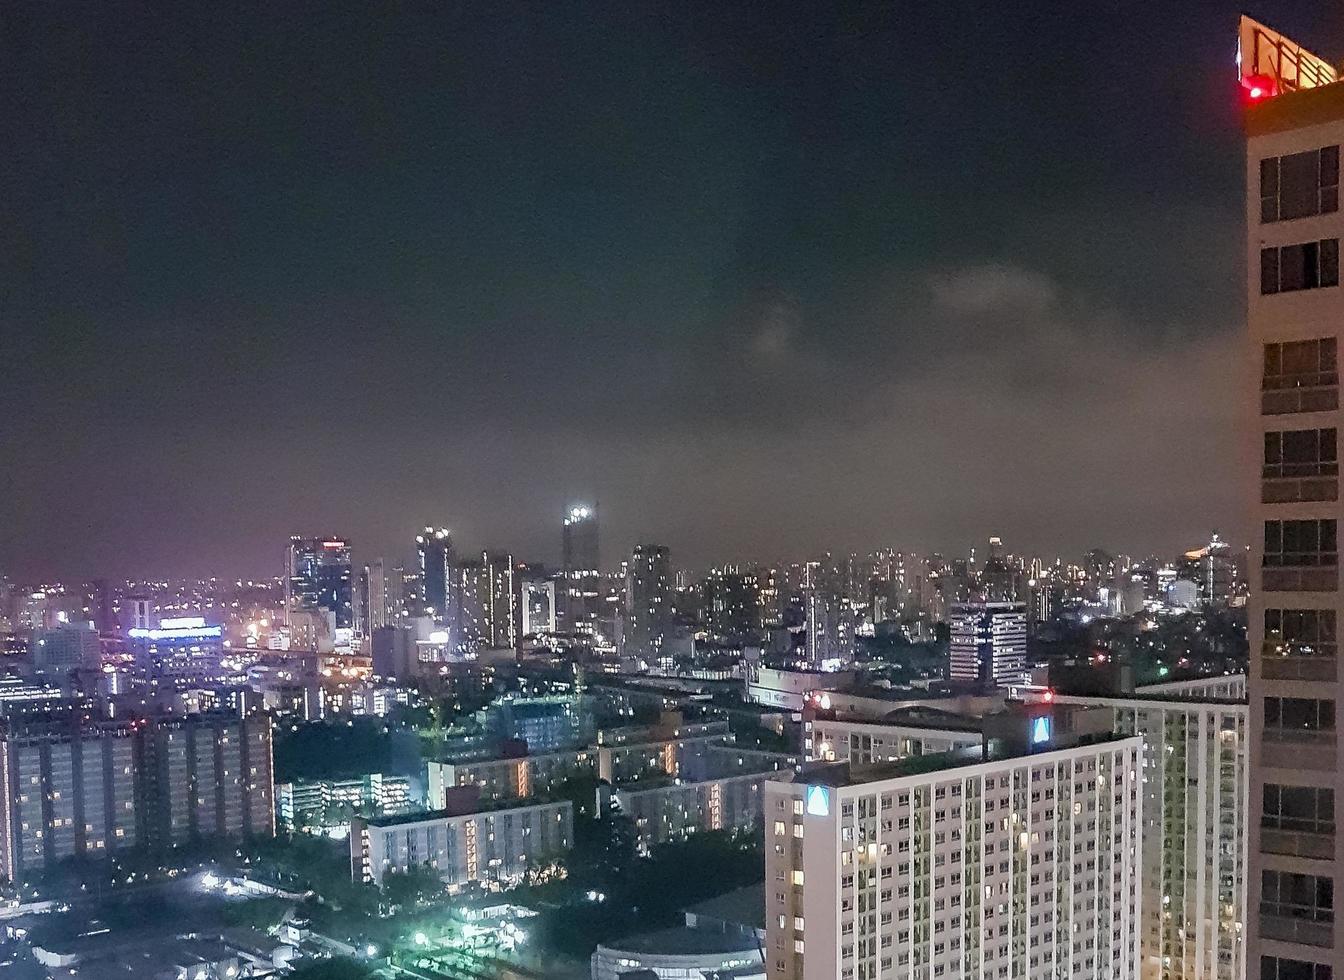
(1023, 864)
(70, 646)
(71, 787)
(318, 576)
(581, 576)
(206, 776)
(1294, 121)
(492, 847)
(67, 789)
(989, 644)
(324, 803)
(866, 742)
(648, 603)
(1195, 811)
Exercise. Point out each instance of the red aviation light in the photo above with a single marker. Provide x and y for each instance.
(1259, 87)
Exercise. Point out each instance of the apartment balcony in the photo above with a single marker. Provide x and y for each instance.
(1276, 667)
(1292, 929)
(1291, 491)
(1294, 843)
(1279, 752)
(1318, 577)
(1291, 394)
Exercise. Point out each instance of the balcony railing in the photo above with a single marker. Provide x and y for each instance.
(1289, 394)
(1299, 576)
(1280, 662)
(1291, 929)
(1296, 843)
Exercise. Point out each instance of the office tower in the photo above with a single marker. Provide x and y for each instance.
(99, 607)
(648, 600)
(319, 577)
(538, 605)
(434, 550)
(830, 630)
(204, 776)
(1195, 785)
(70, 646)
(137, 612)
(184, 648)
(500, 600)
(67, 789)
(581, 571)
(394, 653)
(378, 591)
(730, 604)
(469, 597)
(1019, 863)
(989, 643)
(1294, 120)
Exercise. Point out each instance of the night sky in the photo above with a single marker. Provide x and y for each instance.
(763, 279)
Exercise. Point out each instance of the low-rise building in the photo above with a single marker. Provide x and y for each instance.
(493, 847)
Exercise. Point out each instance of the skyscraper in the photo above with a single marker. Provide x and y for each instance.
(1294, 122)
(830, 628)
(502, 619)
(319, 577)
(581, 568)
(648, 600)
(434, 549)
(989, 643)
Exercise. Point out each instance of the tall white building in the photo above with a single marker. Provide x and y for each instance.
(1195, 785)
(1025, 865)
(989, 643)
(1294, 123)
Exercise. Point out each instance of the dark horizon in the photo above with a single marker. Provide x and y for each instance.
(762, 281)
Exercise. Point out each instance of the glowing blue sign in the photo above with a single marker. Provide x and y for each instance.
(1040, 730)
(818, 801)
(177, 633)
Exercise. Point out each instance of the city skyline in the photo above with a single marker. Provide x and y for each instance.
(515, 273)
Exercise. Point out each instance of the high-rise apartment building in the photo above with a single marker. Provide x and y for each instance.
(648, 600)
(319, 577)
(829, 639)
(502, 619)
(989, 643)
(206, 775)
(1195, 785)
(538, 605)
(434, 550)
(67, 789)
(71, 787)
(581, 570)
(1294, 121)
(1020, 863)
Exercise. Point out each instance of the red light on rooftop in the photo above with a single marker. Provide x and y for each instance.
(1258, 87)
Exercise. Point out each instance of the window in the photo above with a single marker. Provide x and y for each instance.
(1282, 968)
(1299, 185)
(1310, 265)
(1297, 543)
(1300, 632)
(1299, 453)
(1310, 809)
(1297, 896)
(1300, 364)
(1291, 717)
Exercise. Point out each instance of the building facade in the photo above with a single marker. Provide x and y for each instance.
(1295, 312)
(494, 847)
(319, 576)
(989, 644)
(1196, 778)
(1022, 867)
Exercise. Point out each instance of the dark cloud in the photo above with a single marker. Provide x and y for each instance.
(761, 280)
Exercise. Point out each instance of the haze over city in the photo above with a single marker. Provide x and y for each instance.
(825, 279)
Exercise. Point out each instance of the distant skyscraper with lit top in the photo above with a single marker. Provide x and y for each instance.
(320, 577)
(581, 569)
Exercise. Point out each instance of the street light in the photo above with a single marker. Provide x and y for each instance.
(421, 939)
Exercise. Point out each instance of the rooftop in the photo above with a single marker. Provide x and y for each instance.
(486, 807)
(742, 906)
(839, 774)
(684, 941)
